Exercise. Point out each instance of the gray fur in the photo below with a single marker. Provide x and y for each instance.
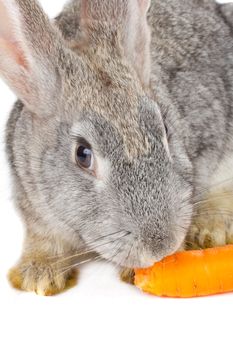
(99, 92)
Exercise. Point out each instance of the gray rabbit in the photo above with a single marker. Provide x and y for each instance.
(121, 142)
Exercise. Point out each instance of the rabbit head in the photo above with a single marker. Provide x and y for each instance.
(90, 147)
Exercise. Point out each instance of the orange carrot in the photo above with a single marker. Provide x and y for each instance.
(189, 274)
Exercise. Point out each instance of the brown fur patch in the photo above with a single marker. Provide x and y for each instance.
(15, 278)
(127, 275)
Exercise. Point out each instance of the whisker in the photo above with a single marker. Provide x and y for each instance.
(214, 186)
(209, 200)
(116, 253)
(79, 254)
(102, 237)
(66, 269)
(90, 242)
(213, 213)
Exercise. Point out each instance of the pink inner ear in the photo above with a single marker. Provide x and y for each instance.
(8, 41)
(144, 5)
(13, 51)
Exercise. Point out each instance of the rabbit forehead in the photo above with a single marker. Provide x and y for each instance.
(120, 112)
(133, 124)
(107, 137)
(110, 89)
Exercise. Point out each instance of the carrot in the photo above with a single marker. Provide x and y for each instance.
(189, 274)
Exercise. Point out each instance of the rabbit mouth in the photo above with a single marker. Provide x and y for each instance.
(145, 259)
(134, 253)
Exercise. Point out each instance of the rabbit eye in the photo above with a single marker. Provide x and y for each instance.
(84, 157)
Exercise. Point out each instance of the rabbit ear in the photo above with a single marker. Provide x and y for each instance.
(144, 5)
(129, 17)
(27, 51)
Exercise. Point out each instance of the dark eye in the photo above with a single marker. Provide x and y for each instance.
(84, 157)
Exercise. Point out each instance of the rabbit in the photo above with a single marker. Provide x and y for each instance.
(120, 144)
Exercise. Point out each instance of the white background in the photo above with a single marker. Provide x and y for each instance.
(101, 312)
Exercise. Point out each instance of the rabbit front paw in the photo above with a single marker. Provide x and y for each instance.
(209, 233)
(42, 277)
